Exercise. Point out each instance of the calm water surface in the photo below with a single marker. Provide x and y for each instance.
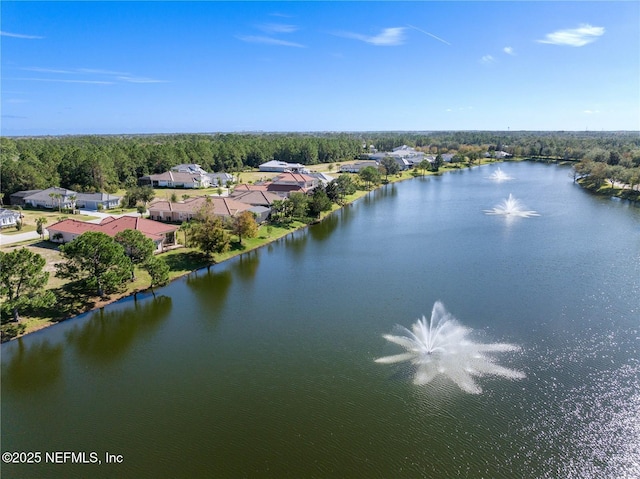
(263, 367)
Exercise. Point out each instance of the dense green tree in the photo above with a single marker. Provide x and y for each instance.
(158, 270)
(318, 202)
(632, 177)
(614, 158)
(615, 174)
(437, 163)
(138, 193)
(244, 224)
(22, 281)
(424, 165)
(370, 176)
(97, 259)
(457, 158)
(298, 205)
(598, 174)
(137, 247)
(345, 183)
(390, 166)
(208, 233)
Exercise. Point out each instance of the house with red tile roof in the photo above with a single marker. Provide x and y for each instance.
(163, 235)
(283, 185)
(304, 181)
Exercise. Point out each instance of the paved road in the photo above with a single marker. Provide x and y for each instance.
(31, 235)
(9, 239)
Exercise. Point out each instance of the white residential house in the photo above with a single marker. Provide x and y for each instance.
(321, 177)
(176, 179)
(8, 218)
(215, 179)
(282, 167)
(357, 166)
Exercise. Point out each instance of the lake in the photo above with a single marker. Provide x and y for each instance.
(263, 366)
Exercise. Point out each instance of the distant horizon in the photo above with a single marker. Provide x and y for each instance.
(136, 68)
(337, 132)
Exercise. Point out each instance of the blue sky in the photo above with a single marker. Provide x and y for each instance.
(161, 67)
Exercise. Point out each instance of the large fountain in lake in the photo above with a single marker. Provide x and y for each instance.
(442, 347)
(499, 176)
(511, 207)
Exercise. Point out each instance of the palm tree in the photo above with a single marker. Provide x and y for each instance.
(185, 227)
(57, 196)
(73, 199)
(39, 223)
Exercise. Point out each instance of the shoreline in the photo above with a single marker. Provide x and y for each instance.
(100, 304)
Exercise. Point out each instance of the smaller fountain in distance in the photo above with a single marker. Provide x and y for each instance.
(499, 176)
(511, 207)
(442, 347)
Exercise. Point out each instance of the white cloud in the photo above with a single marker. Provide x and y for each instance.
(508, 51)
(112, 77)
(388, 37)
(430, 34)
(268, 41)
(574, 37)
(487, 59)
(132, 79)
(48, 70)
(60, 80)
(21, 35)
(277, 28)
(100, 72)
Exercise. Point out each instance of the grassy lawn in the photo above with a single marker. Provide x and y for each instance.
(606, 189)
(14, 231)
(52, 216)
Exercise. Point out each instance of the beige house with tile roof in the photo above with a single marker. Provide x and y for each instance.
(164, 210)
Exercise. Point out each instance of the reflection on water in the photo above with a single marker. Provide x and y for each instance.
(387, 191)
(323, 230)
(108, 334)
(295, 243)
(32, 367)
(211, 288)
(246, 266)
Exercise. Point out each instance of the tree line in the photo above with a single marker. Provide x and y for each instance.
(110, 162)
